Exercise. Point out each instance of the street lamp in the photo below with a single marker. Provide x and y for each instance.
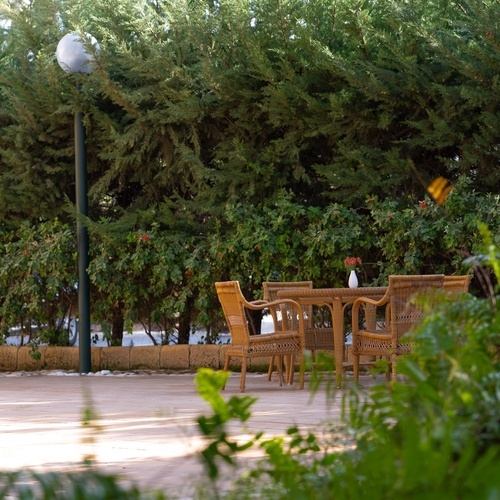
(73, 57)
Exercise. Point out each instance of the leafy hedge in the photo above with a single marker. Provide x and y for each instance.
(166, 282)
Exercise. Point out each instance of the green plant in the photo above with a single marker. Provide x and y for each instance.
(209, 385)
(38, 281)
(139, 276)
(86, 485)
(422, 238)
(165, 280)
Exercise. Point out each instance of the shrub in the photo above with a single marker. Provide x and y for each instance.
(38, 281)
(165, 280)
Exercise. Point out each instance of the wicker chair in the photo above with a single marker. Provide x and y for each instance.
(456, 284)
(287, 341)
(401, 316)
(315, 338)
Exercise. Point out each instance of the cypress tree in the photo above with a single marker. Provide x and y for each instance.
(197, 103)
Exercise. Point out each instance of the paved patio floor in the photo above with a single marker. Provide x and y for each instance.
(146, 423)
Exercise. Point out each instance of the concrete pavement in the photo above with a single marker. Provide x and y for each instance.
(145, 429)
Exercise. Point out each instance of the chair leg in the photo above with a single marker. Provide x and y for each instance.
(243, 373)
(355, 367)
(226, 367)
(279, 364)
(277, 360)
(290, 369)
(279, 368)
(302, 365)
(271, 367)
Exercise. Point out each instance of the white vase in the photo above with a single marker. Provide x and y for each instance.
(353, 280)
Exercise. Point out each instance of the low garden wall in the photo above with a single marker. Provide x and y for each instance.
(171, 358)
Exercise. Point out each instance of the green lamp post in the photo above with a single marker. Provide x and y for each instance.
(73, 57)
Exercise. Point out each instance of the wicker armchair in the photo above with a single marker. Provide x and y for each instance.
(400, 315)
(287, 341)
(456, 284)
(315, 338)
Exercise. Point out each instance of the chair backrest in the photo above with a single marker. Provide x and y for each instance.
(271, 289)
(457, 284)
(233, 305)
(403, 313)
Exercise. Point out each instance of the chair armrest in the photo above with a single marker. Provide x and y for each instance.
(258, 302)
(263, 304)
(367, 300)
(364, 301)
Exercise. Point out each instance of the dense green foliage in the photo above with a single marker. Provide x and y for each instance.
(198, 103)
(37, 281)
(248, 140)
(150, 277)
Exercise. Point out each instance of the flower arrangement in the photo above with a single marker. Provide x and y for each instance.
(352, 263)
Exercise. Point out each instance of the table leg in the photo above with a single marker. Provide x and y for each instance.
(338, 339)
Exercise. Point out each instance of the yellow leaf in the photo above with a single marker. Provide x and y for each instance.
(439, 189)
